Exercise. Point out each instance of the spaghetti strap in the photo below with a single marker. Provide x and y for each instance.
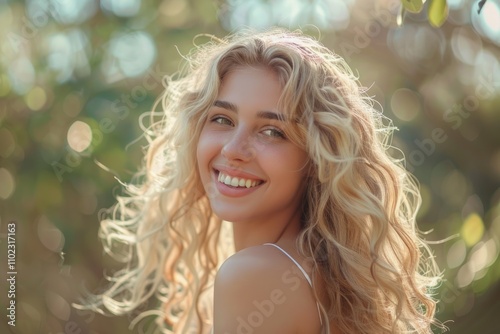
(301, 269)
(296, 263)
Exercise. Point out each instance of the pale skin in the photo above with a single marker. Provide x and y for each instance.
(258, 290)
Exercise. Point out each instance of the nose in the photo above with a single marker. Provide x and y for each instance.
(239, 147)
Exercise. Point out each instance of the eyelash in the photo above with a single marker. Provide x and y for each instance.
(275, 133)
(217, 119)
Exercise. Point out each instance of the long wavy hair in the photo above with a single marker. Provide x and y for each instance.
(359, 212)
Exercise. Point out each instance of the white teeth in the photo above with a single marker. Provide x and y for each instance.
(236, 182)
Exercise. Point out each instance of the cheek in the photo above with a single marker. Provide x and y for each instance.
(290, 160)
(288, 166)
(206, 149)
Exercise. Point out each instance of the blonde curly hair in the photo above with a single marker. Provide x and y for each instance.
(359, 211)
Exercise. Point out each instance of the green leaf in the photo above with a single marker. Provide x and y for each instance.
(437, 12)
(413, 6)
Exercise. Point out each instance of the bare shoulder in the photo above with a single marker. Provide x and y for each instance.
(260, 290)
(260, 261)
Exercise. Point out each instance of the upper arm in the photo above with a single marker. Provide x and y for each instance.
(256, 293)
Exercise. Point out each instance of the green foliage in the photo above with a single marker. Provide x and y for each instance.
(413, 6)
(437, 11)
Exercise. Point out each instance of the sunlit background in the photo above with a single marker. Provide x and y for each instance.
(75, 75)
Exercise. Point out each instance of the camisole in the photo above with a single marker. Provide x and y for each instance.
(302, 270)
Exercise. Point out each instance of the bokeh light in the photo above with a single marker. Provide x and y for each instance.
(487, 22)
(418, 46)
(487, 71)
(472, 229)
(57, 305)
(124, 8)
(465, 275)
(128, 55)
(49, 235)
(455, 4)
(323, 14)
(68, 53)
(7, 182)
(456, 254)
(72, 11)
(36, 98)
(21, 75)
(175, 13)
(483, 255)
(466, 44)
(406, 104)
(79, 136)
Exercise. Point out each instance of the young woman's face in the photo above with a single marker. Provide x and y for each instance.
(249, 169)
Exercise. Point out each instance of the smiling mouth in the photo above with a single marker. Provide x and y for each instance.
(237, 182)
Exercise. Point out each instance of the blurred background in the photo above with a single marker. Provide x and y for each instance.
(75, 76)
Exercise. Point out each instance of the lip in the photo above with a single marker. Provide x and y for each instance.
(229, 191)
(233, 172)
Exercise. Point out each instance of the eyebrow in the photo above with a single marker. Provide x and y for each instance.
(261, 114)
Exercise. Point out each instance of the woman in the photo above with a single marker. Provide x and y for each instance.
(271, 132)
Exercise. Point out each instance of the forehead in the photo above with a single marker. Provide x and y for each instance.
(251, 85)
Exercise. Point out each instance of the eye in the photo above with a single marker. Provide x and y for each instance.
(273, 132)
(221, 120)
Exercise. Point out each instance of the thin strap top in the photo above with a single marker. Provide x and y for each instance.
(301, 269)
(296, 263)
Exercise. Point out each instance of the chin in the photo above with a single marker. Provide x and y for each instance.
(229, 214)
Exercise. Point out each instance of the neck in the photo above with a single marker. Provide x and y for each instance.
(248, 234)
